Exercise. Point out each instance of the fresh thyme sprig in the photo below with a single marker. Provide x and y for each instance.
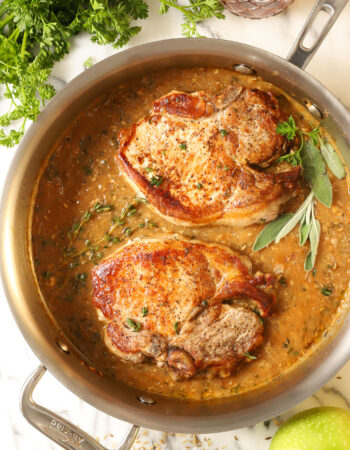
(77, 227)
(313, 154)
(94, 251)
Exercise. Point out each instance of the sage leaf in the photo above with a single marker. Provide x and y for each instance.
(269, 233)
(332, 159)
(315, 173)
(297, 216)
(304, 232)
(314, 237)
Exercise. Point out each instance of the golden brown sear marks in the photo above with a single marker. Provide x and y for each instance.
(199, 158)
(163, 298)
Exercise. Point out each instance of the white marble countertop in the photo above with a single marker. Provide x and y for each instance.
(331, 66)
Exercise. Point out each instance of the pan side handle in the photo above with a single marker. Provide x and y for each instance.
(56, 428)
(300, 55)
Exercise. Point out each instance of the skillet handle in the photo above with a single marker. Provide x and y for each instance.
(55, 427)
(300, 55)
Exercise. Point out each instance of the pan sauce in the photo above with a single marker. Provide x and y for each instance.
(81, 171)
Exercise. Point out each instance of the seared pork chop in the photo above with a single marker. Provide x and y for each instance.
(201, 158)
(188, 304)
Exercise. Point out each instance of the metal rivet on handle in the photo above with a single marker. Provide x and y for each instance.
(146, 400)
(62, 346)
(314, 109)
(243, 68)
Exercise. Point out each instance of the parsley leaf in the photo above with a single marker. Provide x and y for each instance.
(193, 13)
(287, 128)
(35, 34)
(88, 63)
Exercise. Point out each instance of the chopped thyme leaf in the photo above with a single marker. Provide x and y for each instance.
(226, 167)
(286, 343)
(127, 231)
(204, 303)
(81, 278)
(183, 146)
(156, 180)
(148, 169)
(283, 281)
(314, 272)
(236, 388)
(224, 132)
(326, 290)
(131, 211)
(141, 200)
(248, 355)
(144, 311)
(199, 185)
(135, 326)
(176, 327)
(99, 207)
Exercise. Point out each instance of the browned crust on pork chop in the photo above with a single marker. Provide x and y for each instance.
(182, 284)
(202, 159)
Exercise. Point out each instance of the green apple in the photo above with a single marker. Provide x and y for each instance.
(324, 428)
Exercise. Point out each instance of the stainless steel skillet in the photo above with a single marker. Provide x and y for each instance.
(43, 335)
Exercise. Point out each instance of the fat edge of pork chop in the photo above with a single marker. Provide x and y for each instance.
(187, 304)
(200, 158)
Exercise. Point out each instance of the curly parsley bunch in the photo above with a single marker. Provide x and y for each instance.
(35, 34)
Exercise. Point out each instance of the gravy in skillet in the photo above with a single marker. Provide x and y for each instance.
(81, 194)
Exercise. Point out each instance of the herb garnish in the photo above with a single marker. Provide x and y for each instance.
(282, 281)
(286, 343)
(88, 63)
(290, 131)
(250, 356)
(176, 327)
(183, 146)
(193, 13)
(156, 180)
(94, 251)
(78, 226)
(148, 169)
(223, 133)
(135, 326)
(326, 290)
(81, 278)
(312, 153)
(34, 35)
(144, 311)
(199, 186)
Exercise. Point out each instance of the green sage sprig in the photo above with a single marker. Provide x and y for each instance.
(313, 154)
